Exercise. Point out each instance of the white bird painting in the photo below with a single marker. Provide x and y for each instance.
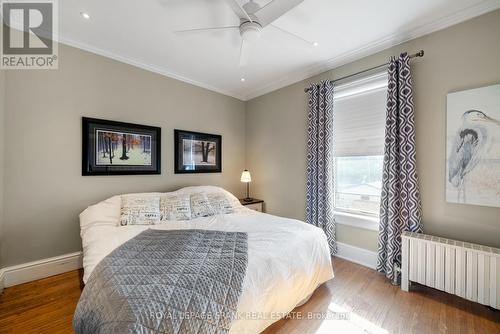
(473, 147)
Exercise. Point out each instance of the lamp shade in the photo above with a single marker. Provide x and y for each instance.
(245, 176)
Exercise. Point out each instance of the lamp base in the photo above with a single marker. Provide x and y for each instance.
(248, 199)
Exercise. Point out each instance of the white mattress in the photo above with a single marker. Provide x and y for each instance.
(287, 259)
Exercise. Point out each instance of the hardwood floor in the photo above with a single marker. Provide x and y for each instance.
(43, 306)
(372, 305)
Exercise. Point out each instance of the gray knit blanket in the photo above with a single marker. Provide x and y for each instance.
(176, 282)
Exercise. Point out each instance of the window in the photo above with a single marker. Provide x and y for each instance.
(359, 129)
(358, 185)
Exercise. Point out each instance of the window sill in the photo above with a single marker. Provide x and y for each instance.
(359, 221)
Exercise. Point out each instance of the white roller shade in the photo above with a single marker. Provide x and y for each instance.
(359, 109)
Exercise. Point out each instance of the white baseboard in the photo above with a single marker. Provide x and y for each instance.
(1, 280)
(31, 271)
(357, 255)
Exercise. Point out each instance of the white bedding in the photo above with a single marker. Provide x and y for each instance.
(287, 259)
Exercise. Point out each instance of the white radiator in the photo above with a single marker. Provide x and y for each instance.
(464, 269)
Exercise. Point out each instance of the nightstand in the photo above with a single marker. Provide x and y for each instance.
(254, 204)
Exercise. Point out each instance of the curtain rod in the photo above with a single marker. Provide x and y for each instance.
(418, 54)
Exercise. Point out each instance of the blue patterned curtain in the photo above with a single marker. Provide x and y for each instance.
(400, 208)
(319, 197)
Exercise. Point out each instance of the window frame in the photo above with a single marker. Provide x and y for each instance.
(367, 222)
(355, 218)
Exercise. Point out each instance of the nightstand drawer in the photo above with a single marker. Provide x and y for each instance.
(255, 206)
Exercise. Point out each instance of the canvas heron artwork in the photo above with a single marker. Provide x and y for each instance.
(473, 147)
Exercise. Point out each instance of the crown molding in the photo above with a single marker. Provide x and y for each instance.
(315, 69)
(147, 67)
(377, 46)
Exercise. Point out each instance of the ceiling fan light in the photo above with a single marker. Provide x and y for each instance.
(250, 31)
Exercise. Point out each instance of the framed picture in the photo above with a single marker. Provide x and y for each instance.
(197, 152)
(116, 148)
(473, 147)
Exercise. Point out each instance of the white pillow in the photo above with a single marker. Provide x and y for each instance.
(105, 213)
(175, 207)
(140, 210)
(235, 203)
(219, 203)
(200, 206)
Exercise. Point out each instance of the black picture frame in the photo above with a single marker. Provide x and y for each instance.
(99, 135)
(213, 162)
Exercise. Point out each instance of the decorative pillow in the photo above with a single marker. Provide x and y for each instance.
(219, 203)
(200, 206)
(235, 203)
(140, 210)
(175, 207)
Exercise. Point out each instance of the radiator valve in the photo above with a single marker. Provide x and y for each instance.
(397, 275)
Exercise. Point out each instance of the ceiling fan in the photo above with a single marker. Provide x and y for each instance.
(253, 19)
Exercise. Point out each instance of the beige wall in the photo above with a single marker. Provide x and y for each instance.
(2, 133)
(461, 57)
(44, 189)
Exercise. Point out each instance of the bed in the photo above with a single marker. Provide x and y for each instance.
(287, 259)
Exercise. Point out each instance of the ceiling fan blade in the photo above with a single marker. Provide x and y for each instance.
(207, 29)
(274, 9)
(243, 53)
(289, 33)
(239, 10)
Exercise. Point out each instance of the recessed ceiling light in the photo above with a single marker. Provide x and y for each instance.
(242, 79)
(315, 43)
(86, 16)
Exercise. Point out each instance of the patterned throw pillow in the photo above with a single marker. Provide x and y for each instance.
(140, 210)
(219, 202)
(175, 207)
(200, 206)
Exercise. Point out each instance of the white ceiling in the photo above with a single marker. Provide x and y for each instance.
(141, 33)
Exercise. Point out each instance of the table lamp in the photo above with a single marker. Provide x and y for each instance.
(246, 178)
